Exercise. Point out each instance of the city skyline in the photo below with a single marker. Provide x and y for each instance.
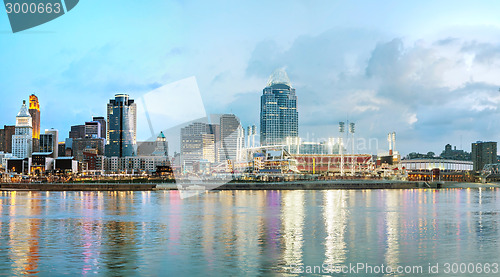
(421, 70)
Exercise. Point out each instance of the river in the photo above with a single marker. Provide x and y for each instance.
(229, 233)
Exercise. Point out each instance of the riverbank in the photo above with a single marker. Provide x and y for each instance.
(77, 187)
(292, 185)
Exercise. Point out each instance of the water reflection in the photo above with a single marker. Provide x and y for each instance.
(292, 217)
(392, 205)
(242, 232)
(335, 218)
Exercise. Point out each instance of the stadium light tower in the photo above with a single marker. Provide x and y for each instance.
(341, 130)
(353, 162)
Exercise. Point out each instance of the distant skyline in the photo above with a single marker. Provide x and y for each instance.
(428, 71)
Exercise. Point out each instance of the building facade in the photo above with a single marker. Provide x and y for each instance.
(22, 140)
(198, 143)
(442, 164)
(161, 146)
(77, 131)
(6, 138)
(232, 138)
(55, 135)
(278, 110)
(47, 143)
(134, 165)
(34, 110)
(122, 126)
(93, 129)
(79, 146)
(102, 121)
(483, 153)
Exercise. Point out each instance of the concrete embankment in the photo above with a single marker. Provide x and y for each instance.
(77, 186)
(291, 185)
(310, 185)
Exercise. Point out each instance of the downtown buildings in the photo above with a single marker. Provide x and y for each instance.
(34, 110)
(483, 153)
(22, 141)
(279, 118)
(206, 144)
(122, 127)
(109, 146)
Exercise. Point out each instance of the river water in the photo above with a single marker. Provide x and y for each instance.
(229, 233)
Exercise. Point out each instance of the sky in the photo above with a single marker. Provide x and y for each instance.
(427, 70)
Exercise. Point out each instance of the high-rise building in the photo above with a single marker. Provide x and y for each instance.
(34, 110)
(101, 120)
(77, 131)
(161, 148)
(122, 128)
(61, 149)
(279, 118)
(232, 138)
(80, 145)
(22, 140)
(49, 142)
(197, 143)
(483, 153)
(93, 129)
(6, 138)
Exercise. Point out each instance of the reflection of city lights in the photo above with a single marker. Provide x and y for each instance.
(392, 227)
(293, 225)
(335, 217)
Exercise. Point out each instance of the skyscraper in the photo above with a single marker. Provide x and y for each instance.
(22, 140)
(122, 128)
(6, 138)
(34, 111)
(483, 153)
(232, 137)
(77, 131)
(49, 142)
(198, 143)
(93, 129)
(101, 120)
(279, 118)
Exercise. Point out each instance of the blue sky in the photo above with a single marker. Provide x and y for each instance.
(429, 71)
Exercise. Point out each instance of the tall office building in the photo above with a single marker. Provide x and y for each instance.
(22, 140)
(61, 149)
(483, 153)
(102, 121)
(80, 145)
(198, 143)
(49, 142)
(93, 129)
(34, 110)
(6, 138)
(77, 131)
(232, 138)
(122, 127)
(279, 118)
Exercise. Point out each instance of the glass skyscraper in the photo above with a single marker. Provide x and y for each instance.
(279, 118)
(122, 127)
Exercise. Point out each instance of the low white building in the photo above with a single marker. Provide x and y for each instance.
(443, 164)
